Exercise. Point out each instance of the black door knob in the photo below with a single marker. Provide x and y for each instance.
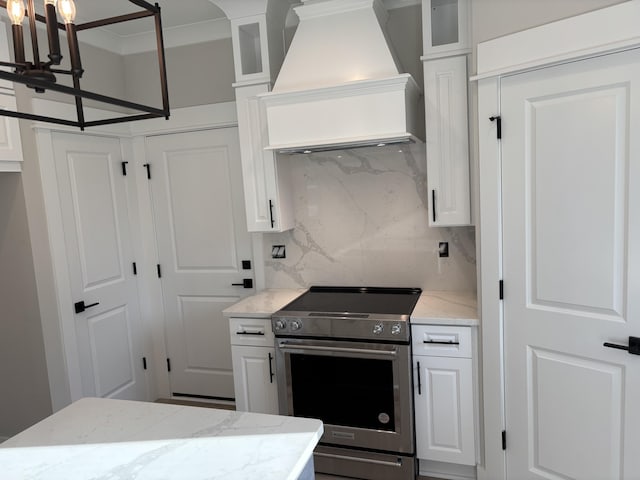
(81, 307)
(246, 283)
(633, 348)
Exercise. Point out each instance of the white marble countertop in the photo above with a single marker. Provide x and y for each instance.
(446, 308)
(263, 304)
(105, 439)
(433, 307)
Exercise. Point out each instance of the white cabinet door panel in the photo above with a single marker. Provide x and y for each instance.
(447, 141)
(255, 382)
(10, 145)
(444, 410)
(266, 179)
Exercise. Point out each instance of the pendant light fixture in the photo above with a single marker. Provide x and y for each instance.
(41, 75)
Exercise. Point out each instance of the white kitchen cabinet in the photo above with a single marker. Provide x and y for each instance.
(447, 141)
(266, 179)
(446, 27)
(254, 365)
(10, 146)
(444, 394)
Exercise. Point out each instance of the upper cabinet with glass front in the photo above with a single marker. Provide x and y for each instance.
(446, 30)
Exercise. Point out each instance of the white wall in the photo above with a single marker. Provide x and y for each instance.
(24, 386)
(104, 70)
(199, 74)
(495, 18)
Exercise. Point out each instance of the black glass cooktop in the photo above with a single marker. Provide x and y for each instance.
(373, 300)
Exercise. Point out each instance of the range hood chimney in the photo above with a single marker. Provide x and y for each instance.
(340, 86)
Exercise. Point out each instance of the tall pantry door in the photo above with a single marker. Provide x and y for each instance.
(98, 248)
(571, 227)
(202, 238)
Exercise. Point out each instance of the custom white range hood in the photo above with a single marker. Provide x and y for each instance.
(340, 86)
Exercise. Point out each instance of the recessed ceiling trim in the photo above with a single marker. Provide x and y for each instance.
(179, 36)
(207, 31)
(393, 4)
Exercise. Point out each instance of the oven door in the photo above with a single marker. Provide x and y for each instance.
(361, 391)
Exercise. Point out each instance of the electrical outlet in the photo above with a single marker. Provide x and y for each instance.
(443, 249)
(278, 251)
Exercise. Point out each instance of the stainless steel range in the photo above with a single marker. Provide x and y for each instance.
(343, 355)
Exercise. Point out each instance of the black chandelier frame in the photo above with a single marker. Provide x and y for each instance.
(40, 84)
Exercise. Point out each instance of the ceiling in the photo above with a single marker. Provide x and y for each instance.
(175, 13)
(184, 22)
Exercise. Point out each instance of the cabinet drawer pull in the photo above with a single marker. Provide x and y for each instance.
(250, 333)
(271, 374)
(435, 342)
(433, 204)
(419, 381)
(271, 213)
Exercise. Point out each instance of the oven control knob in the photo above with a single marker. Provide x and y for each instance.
(296, 325)
(280, 325)
(396, 329)
(378, 328)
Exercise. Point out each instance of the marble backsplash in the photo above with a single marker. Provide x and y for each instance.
(362, 219)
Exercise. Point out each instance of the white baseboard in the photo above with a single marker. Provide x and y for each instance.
(447, 471)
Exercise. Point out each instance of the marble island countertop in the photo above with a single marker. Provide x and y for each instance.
(105, 439)
(433, 308)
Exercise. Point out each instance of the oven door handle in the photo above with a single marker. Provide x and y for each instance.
(284, 346)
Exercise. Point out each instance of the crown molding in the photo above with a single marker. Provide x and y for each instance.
(179, 36)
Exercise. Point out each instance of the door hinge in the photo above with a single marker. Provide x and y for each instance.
(168, 364)
(498, 121)
(124, 168)
(144, 362)
(501, 288)
(159, 271)
(148, 167)
(504, 439)
(135, 268)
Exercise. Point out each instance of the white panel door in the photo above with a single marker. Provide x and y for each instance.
(93, 203)
(197, 197)
(571, 209)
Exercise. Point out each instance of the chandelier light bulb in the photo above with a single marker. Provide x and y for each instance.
(67, 9)
(50, 2)
(16, 11)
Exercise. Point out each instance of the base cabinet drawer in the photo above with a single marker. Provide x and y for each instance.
(444, 409)
(251, 331)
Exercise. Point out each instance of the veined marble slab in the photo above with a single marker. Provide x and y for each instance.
(263, 304)
(105, 439)
(446, 308)
(362, 219)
